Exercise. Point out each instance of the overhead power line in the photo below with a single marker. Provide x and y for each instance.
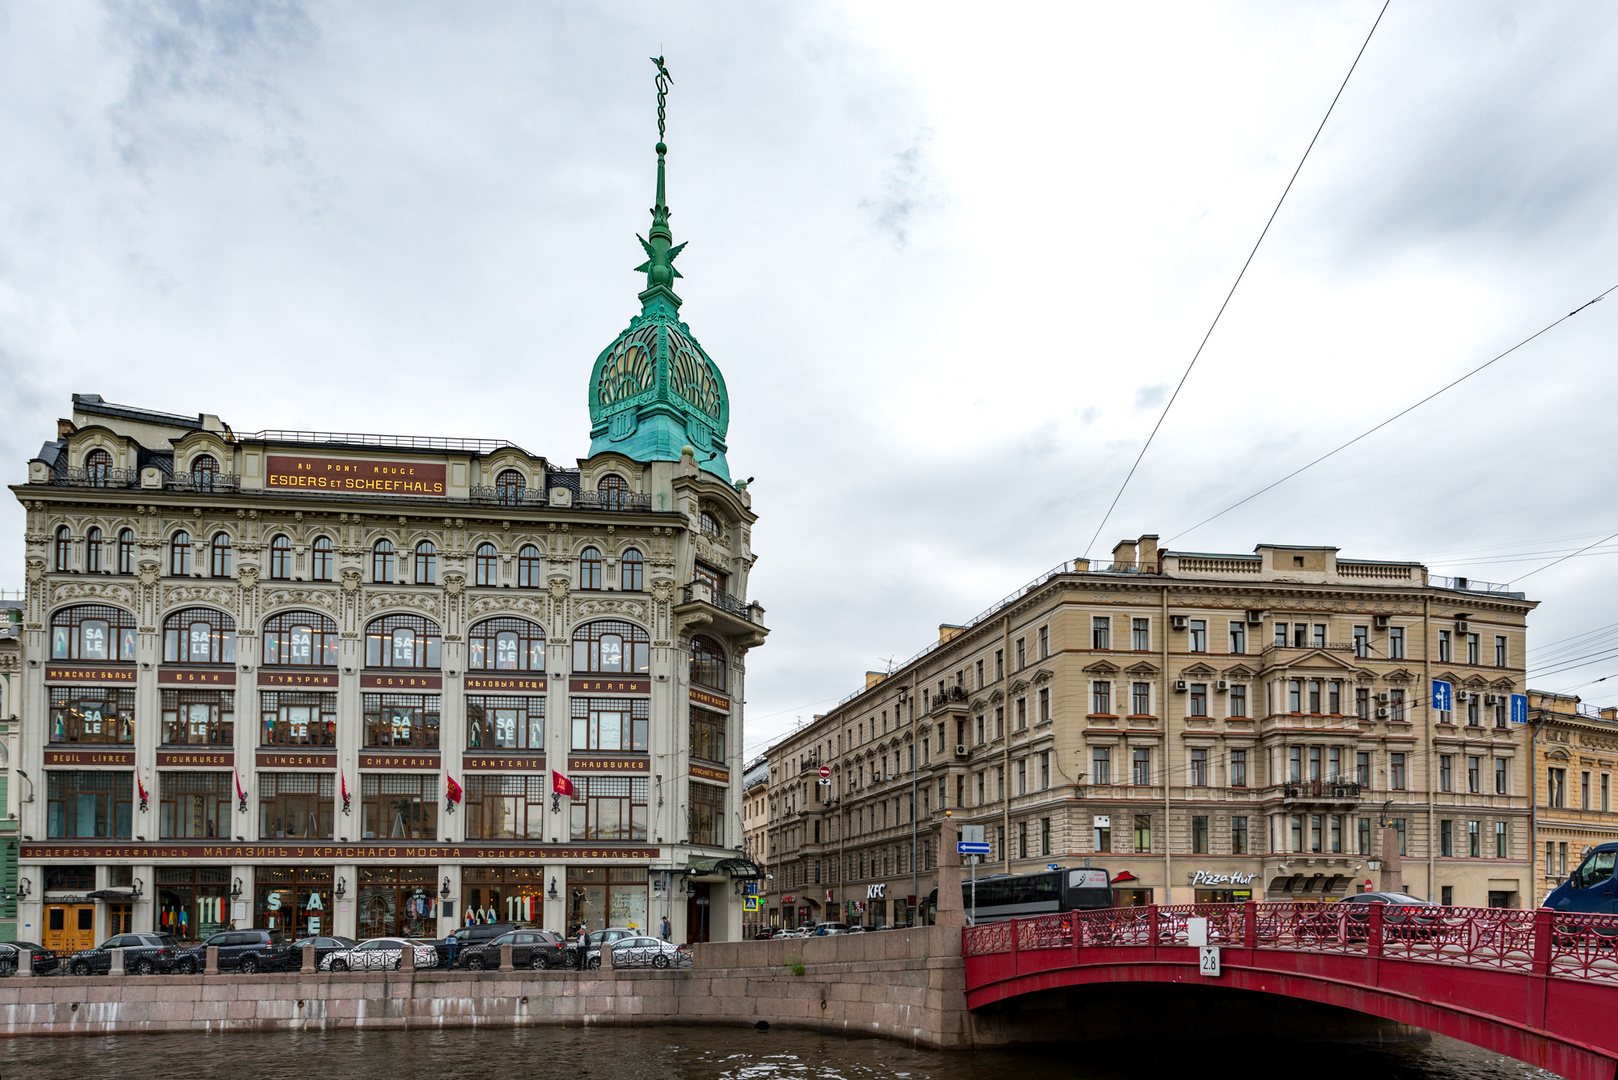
(1565, 558)
(1240, 274)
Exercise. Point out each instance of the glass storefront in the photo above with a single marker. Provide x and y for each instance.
(398, 901)
(193, 903)
(1224, 896)
(294, 900)
(599, 897)
(499, 894)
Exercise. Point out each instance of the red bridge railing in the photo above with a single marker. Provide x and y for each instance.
(1538, 942)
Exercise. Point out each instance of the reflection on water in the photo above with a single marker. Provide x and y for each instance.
(701, 1054)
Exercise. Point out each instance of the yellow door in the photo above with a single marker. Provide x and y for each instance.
(69, 927)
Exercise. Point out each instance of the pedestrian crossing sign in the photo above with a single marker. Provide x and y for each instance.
(749, 903)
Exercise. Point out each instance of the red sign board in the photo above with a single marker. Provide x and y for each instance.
(788, 899)
(507, 683)
(296, 759)
(371, 681)
(116, 758)
(195, 759)
(200, 677)
(86, 673)
(369, 760)
(298, 678)
(294, 472)
(597, 684)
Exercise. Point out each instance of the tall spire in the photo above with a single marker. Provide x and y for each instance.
(661, 250)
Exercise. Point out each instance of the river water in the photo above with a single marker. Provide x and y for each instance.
(704, 1053)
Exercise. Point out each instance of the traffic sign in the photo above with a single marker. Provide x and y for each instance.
(966, 847)
(825, 772)
(1519, 708)
(749, 903)
(1441, 696)
(1210, 961)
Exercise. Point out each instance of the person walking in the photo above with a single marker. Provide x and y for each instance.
(668, 928)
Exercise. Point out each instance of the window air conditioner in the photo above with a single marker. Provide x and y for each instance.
(1463, 695)
(1460, 626)
(1491, 699)
(1383, 696)
(1180, 686)
(1255, 618)
(1382, 714)
(960, 750)
(1222, 684)
(1177, 621)
(1380, 621)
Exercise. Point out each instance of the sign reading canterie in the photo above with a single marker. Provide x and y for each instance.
(360, 475)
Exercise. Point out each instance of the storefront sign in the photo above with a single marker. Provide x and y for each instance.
(328, 852)
(609, 686)
(526, 684)
(708, 772)
(78, 673)
(595, 763)
(195, 759)
(119, 758)
(876, 892)
(296, 759)
(182, 677)
(401, 682)
(285, 472)
(524, 763)
(398, 761)
(710, 699)
(1203, 877)
(297, 678)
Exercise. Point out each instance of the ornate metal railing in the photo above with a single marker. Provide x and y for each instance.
(612, 500)
(722, 600)
(96, 477)
(508, 496)
(1320, 789)
(203, 483)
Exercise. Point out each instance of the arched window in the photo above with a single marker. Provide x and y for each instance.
(611, 647)
(199, 636)
(320, 559)
(506, 643)
(204, 471)
(92, 551)
(402, 641)
(426, 563)
(180, 555)
(612, 488)
(98, 468)
(529, 573)
(219, 564)
(64, 548)
(126, 551)
(509, 488)
(382, 562)
(281, 558)
(590, 568)
(707, 663)
(300, 639)
(488, 565)
(630, 567)
(709, 524)
(93, 632)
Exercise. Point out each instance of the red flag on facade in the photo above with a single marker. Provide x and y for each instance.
(453, 790)
(561, 785)
(240, 794)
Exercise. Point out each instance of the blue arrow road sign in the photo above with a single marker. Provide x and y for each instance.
(1441, 696)
(963, 847)
(1519, 708)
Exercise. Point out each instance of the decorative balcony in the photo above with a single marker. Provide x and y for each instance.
(1320, 791)
(701, 603)
(95, 478)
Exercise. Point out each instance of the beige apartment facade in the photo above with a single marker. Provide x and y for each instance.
(1205, 727)
(1575, 751)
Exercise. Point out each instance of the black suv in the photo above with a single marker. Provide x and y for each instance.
(44, 960)
(469, 937)
(529, 949)
(144, 954)
(246, 951)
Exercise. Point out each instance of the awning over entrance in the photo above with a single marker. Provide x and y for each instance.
(112, 896)
(729, 867)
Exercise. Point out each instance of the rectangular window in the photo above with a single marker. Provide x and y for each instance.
(1314, 833)
(1473, 650)
(1141, 759)
(93, 715)
(1199, 767)
(1398, 824)
(1337, 834)
(1238, 700)
(1320, 635)
(1297, 832)
(1280, 635)
(506, 806)
(1143, 833)
(1044, 704)
(1474, 839)
(1141, 635)
(999, 721)
(296, 806)
(1199, 836)
(1100, 632)
(1500, 712)
(1314, 763)
(1300, 635)
(1045, 836)
(1362, 702)
(1362, 769)
(1445, 647)
(1198, 699)
(1396, 705)
(1334, 697)
(506, 723)
(1045, 770)
(1022, 714)
(1022, 777)
(1238, 637)
(1044, 642)
(1446, 838)
(1396, 772)
(1365, 835)
(1606, 785)
(1140, 698)
(1334, 763)
(1104, 837)
(1362, 641)
(1199, 635)
(1238, 836)
(1556, 788)
(1473, 765)
(1101, 765)
(397, 806)
(980, 674)
(610, 723)
(1314, 696)
(298, 719)
(1295, 763)
(88, 805)
(1446, 781)
(194, 805)
(1396, 643)
(614, 808)
(1500, 847)
(999, 664)
(1294, 695)
(401, 720)
(1022, 659)
(708, 735)
(1584, 791)
(1022, 839)
(1500, 650)
(1472, 717)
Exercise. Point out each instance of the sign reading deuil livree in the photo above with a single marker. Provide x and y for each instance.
(284, 472)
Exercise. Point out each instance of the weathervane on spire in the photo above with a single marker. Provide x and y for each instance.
(663, 80)
(659, 242)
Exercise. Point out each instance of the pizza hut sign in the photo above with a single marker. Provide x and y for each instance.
(1202, 877)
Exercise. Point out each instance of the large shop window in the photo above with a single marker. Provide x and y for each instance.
(398, 806)
(707, 814)
(88, 805)
(503, 894)
(506, 807)
(609, 808)
(610, 723)
(295, 806)
(506, 644)
(707, 663)
(93, 632)
(193, 903)
(402, 641)
(401, 720)
(602, 896)
(505, 723)
(295, 900)
(611, 647)
(398, 901)
(199, 717)
(92, 714)
(708, 735)
(194, 805)
(199, 636)
(299, 719)
(300, 639)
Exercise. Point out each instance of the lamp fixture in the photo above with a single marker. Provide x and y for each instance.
(24, 887)
(236, 889)
(342, 887)
(443, 892)
(135, 895)
(552, 895)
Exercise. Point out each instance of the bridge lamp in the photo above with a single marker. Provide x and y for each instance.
(1374, 864)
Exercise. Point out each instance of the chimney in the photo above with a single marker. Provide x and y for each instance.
(1123, 554)
(946, 632)
(1148, 553)
(874, 677)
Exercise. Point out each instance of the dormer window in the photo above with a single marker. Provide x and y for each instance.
(509, 488)
(98, 468)
(613, 490)
(204, 471)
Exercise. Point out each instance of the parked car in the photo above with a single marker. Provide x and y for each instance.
(766, 933)
(468, 936)
(380, 954)
(324, 947)
(144, 954)
(44, 961)
(529, 949)
(826, 929)
(1404, 916)
(639, 951)
(1591, 888)
(246, 951)
(593, 943)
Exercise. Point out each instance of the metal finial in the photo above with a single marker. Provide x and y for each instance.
(663, 80)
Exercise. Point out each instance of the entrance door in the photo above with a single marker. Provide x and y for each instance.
(696, 914)
(119, 918)
(69, 927)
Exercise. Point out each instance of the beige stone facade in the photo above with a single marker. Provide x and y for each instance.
(1575, 760)
(1203, 726)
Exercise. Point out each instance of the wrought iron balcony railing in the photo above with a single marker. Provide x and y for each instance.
(203, 483)
(701, 590)
(1320, 789)
(96, 477)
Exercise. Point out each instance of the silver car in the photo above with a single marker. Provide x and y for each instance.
(380, 954)
(647, 952)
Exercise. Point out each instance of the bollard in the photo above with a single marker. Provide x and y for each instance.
(25, 962)
(211, 965)
(505, 958)
(407, 957)
(606, 956)
(117, 966)
(308, 960)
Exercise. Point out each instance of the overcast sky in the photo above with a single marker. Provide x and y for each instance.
(951, 260)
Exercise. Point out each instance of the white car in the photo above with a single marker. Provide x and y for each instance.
(644, 952)
(380, 954)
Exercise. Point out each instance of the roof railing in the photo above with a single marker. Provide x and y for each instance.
(396, 442)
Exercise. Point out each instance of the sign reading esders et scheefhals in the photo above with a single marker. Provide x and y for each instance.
(301, 472)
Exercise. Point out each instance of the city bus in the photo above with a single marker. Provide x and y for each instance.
(1014, 896)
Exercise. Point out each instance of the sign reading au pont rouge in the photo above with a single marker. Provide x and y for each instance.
(285, 472)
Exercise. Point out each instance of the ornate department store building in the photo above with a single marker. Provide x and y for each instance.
(375, 685)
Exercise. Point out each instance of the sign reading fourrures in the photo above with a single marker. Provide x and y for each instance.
(354, 475)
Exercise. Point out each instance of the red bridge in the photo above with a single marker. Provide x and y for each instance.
(1540, 986)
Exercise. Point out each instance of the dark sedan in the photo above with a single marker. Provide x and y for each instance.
(529, 949)
(1403, 916)
(324, 947)
(246, 951)
(144, 954)
(44, 960)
